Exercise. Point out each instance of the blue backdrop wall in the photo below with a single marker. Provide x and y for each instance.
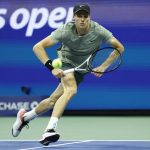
(26, 22)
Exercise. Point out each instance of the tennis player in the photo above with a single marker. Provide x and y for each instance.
(79, 39)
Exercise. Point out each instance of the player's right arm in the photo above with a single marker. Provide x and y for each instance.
(40, 52)
(39, 49)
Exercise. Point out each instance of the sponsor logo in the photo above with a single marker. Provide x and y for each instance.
(9, 106)
(35, 19)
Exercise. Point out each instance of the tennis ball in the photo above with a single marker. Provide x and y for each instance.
(56, 63)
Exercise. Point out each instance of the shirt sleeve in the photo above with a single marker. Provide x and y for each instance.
(104, 34)
(56, 35)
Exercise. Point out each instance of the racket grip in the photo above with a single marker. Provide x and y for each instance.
(68, 71)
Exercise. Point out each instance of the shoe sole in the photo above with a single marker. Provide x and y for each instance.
(50, 139)
(21, 112)
(13, 134)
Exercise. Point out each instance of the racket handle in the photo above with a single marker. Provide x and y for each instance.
(69, 70)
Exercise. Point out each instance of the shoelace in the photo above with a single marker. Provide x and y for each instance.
(27, 126)
(24, 123)
(50, 130)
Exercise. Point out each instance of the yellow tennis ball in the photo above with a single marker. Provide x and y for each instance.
(56, 63)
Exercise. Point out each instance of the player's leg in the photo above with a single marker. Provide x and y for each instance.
(24, 117)
(49, 103)
(70, 89)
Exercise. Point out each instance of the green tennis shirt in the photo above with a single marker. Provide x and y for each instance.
(75, 49)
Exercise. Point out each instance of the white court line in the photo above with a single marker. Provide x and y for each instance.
(33, 148)
(11, 140)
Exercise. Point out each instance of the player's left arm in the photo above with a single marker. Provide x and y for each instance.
(113, 42)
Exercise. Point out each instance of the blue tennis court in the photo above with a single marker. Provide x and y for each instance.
(79, 145)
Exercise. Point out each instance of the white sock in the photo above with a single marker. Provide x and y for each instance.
(52, 123)
(30, 115)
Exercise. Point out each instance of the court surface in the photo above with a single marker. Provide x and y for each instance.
(79, 145)
(81, 132)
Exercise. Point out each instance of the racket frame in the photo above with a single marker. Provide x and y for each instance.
(89, 69)
(106, 71)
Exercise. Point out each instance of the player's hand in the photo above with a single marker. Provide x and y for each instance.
(58, 73)
(98, 69)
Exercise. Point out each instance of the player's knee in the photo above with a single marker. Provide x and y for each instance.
(71, 91)
(52, 102)
(53, 99)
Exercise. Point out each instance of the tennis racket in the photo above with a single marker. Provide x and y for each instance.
(101, 61)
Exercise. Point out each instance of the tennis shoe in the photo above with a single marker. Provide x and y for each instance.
(19, 123)
(49, 136)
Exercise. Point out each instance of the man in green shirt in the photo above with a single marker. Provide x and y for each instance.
(79, 39)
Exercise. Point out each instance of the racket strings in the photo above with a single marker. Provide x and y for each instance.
(106, 57)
